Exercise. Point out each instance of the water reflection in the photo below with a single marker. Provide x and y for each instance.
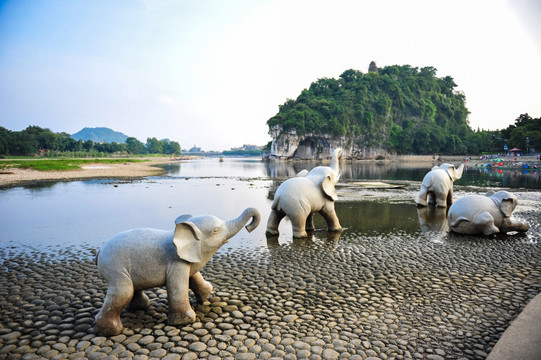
(355, 171)
(494, 177)
(412, 171)
(433, 222)
(372, 216)
(315, 239)
(206, 167)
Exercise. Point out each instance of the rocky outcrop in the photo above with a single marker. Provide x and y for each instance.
(290, 145)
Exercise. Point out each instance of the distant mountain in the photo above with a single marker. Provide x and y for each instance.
(100, 135)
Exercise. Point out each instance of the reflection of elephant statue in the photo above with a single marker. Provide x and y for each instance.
(437, 185)
(433, 222)
(138, 259)
(302, 196)
(487, 214)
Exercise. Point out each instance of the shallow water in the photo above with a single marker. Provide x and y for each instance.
(89, 212)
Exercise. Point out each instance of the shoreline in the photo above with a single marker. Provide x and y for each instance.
(130, 170)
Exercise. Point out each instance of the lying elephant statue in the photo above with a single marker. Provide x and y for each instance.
(138, 259)
(437, 186)
(302, 196)
(485, 214)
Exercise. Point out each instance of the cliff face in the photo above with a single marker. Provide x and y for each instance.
(290, 145)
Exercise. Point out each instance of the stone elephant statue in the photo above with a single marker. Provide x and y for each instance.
(302, 196)
(138, 259)
(485, 214)
(437, 185)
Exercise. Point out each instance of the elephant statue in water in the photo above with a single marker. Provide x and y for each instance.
(485, 214)
(302, 196)
(437, 186)
(138, 259)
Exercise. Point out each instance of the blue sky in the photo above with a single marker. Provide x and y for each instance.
(211, 73)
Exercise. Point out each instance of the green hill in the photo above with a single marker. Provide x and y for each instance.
(398, 108)
(100, 135)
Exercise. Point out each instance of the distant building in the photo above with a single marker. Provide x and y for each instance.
(195, 149)
(372, 68)
(247, 147)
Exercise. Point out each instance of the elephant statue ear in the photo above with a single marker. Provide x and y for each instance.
(327, 185)
(182, 218)
(507, 206)
(451, 170)
(187, 240)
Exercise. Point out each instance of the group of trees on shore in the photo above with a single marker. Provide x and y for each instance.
(400, 108)
(35, 140)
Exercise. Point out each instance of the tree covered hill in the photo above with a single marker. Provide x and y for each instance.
(37, 141)
(398, 108)
(100, 135)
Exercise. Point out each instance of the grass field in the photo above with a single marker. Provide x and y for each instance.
(58, 164)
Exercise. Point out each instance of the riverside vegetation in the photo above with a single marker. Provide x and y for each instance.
(59, 164)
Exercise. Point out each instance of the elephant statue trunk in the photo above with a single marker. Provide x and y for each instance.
(458, 172)
(334, 164)
(235, 225)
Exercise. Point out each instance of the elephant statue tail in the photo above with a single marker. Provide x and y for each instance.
(275, 203)
(96, 259)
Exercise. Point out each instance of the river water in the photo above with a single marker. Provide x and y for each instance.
(89, 212)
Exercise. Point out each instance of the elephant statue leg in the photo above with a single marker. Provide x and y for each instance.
(329, 214)
(298, 224)
(422, 198)
(442, 199)
(200, 287)
(509, 224)
(118, 296)
(450, 197)
(180, 310)
(274, 221)
(486, 219)
(310, 222)
(139, 301)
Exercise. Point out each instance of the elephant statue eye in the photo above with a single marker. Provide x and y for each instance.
(216, 230)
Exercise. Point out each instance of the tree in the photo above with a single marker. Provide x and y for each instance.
(134, 146)
(175, 148)
(154, 146)
(88, 145)
(5, 141)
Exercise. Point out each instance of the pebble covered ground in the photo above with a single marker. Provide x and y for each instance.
(398, 295)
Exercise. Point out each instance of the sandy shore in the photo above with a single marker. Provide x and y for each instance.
(128, 170)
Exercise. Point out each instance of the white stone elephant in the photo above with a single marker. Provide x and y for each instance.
(302, 196)
(437, 185)
(485, 214)
(138, 259)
